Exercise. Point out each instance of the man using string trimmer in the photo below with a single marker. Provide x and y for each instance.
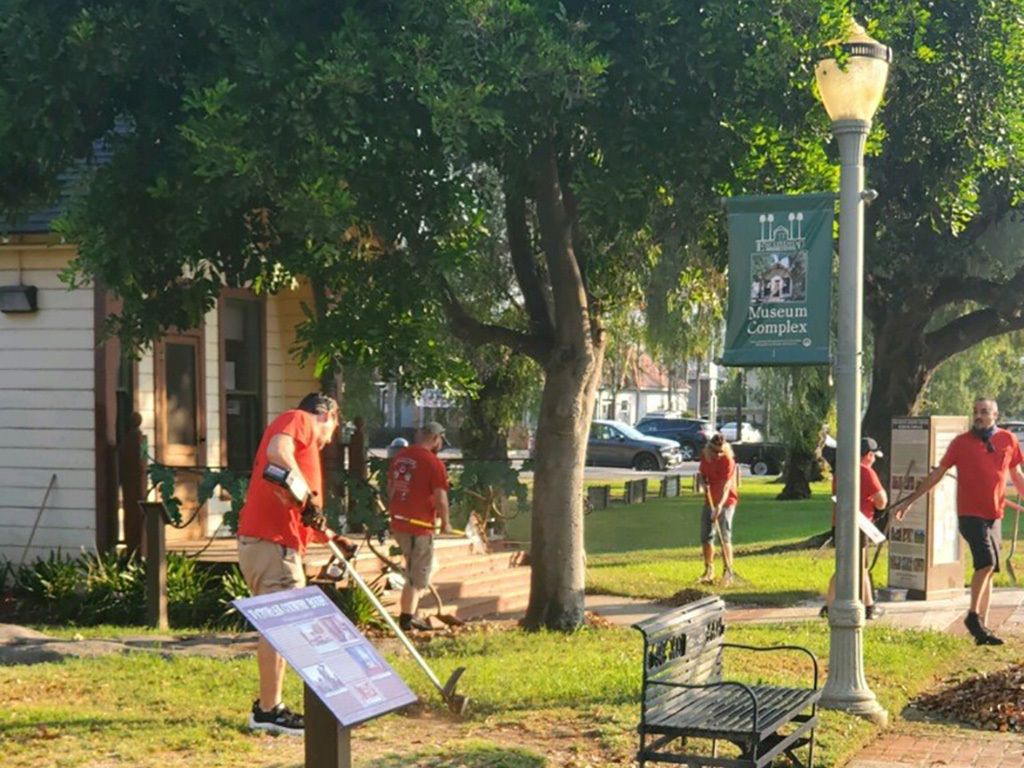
(983, 458)
(282, 514)
(417, 497)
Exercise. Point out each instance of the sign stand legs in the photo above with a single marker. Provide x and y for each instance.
(328, 744)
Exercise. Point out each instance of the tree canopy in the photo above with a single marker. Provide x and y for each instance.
(360, 146)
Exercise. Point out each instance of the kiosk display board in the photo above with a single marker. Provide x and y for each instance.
(333, 658)
(925, 552)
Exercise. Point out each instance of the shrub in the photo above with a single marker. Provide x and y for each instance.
(49, 589)
(114, 589)
(354, 603)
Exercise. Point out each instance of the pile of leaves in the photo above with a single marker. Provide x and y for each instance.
(992, 702)
(685, 596)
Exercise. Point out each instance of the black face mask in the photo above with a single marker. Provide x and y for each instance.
(985, 435)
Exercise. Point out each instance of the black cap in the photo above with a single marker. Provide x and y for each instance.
(868, 445)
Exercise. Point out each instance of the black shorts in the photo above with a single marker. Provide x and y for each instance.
(983, 537)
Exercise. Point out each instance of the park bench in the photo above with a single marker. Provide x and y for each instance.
(686, 697)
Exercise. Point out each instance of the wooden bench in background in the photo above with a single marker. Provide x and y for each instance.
(685, 696)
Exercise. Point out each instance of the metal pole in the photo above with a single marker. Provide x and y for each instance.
(847, 688)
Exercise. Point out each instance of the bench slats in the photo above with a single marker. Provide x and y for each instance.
(729, 712)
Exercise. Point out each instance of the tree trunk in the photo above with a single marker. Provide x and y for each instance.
(556, 550)
(483, 437)
(800, 468)
(898, 379)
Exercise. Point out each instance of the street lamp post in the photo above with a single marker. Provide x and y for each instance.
(851, 92)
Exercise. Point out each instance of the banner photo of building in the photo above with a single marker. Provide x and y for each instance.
(780, 280)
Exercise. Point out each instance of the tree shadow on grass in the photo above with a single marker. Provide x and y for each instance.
(465, 755)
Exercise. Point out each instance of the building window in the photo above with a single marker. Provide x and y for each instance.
(242, 324)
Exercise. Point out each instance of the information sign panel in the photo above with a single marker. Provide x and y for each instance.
(334, 659)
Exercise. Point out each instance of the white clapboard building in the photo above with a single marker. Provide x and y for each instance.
(66, 395)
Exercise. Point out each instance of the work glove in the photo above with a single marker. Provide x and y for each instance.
(348, 547)
(313, 517)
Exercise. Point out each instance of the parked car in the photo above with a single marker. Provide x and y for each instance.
(762, 458)
(691, 434)
(751, 434)
(616, 444)
(1017, 427)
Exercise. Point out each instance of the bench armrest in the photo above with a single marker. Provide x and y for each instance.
(814, 659)
(745, 688)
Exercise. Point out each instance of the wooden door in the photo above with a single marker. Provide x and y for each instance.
(181, 419)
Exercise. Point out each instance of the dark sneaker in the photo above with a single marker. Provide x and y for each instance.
(873, 612)
(407, 622)
(823, 613)
(973, 624)
(278, 720)
(988, 639)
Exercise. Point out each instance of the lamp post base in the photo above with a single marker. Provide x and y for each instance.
(846, 688)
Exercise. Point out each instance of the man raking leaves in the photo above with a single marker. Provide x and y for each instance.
(718, 469)
(417, 499)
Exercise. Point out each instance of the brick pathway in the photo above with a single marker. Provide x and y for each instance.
(929, 750)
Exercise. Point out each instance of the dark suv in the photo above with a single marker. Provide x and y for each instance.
(691, 434)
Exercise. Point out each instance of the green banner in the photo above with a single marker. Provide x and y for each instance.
(780, 280)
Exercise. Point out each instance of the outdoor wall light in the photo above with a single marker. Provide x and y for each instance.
(18, 299)
(853, 91)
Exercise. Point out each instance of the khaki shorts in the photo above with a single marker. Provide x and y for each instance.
(269, 567)
(419, 557)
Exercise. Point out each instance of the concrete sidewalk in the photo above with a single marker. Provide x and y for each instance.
(911, 745)
(1006, 613)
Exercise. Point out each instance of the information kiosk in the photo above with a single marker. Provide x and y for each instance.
(926, 554)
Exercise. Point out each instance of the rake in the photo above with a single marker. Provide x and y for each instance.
(1010, 571)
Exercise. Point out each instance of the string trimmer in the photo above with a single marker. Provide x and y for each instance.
(456, 703)
(313, 517)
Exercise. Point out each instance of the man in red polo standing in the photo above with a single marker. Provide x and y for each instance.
(417, 497)
(983, 458)
(274, 530)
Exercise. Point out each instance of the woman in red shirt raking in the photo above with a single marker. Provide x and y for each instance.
(718, 469)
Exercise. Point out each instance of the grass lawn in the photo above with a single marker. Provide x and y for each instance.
(537, 700)
(652, 550)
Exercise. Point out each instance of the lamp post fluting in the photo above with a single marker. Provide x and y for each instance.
(851, 93)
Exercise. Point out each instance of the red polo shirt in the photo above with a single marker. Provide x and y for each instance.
(270, 513)
(716, 471)
(869, 486)
(413, 476)
(981, 475)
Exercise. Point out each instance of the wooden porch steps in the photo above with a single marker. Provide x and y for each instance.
(472, 584)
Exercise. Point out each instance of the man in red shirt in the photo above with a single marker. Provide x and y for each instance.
(872, 497)
(983, 458)
(718, 468)
(272, 536)
(417, 496)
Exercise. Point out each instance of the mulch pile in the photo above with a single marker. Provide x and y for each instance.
(992, 702)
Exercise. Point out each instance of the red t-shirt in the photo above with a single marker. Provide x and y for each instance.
(716, 471)
(869, 486)
(981, 476)
(413, 476)
(270, 513)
